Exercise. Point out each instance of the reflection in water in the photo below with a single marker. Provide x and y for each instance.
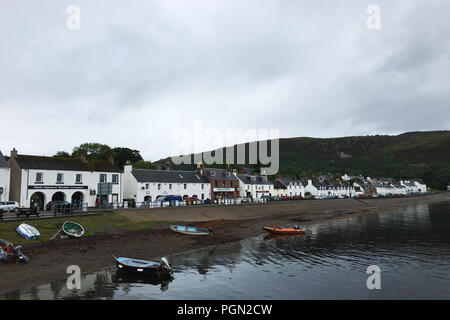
(411, 246)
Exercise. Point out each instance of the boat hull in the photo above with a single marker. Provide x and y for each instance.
(284, 230)
(157, 269)
(191, 230)
(28, 232)
(73, 229)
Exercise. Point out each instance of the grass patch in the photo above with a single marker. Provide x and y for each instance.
(108, 223)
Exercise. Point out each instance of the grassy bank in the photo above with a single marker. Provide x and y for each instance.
(108, 223)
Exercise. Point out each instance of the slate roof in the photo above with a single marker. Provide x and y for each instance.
(3, 162)
(170, 176)
(220, 174)
(247, 179)
(59, 163)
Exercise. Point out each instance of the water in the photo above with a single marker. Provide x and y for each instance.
(411, 245)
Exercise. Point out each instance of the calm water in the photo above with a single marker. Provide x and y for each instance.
(411, 246)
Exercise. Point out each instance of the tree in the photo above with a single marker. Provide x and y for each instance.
(93, 151)
(122, 155)
(62, 154)
(141, 164)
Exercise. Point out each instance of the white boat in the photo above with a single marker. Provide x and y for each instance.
(191, 230)
(27, 231)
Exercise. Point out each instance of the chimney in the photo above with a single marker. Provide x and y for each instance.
(111, 159)
(128, 162)
(83, 158)
(167, 165)
(13, 153)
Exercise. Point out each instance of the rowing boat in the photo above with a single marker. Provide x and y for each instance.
(294, 230)
(192, 230)
(27, 231)
(73, 229)
(142, 266)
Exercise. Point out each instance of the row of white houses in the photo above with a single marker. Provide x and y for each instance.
(36, 179)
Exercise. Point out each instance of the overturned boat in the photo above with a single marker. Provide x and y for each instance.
(11, 253)
(27, 231)
(192, 230)
(141, 266)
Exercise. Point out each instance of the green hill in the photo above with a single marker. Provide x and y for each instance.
(424, 155)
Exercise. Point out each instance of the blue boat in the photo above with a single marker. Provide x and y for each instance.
(192, 230)
(27, 231)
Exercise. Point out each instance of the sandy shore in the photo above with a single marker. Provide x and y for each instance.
(231, 223)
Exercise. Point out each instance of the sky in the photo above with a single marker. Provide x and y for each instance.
(145, 74)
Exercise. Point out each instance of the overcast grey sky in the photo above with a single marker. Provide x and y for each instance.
(137, 70)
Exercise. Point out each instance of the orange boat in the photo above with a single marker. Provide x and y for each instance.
(294, 230)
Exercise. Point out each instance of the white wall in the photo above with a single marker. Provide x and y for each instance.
(311, 189)
(4, 183)
(89, 179)
(140, 190)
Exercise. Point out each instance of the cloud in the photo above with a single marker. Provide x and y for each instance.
(135, 72)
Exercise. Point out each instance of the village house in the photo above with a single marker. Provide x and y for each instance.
(224, 184)
(311, 189)
(255, 186)
(36, 179)
(4, 178)
(147, 185)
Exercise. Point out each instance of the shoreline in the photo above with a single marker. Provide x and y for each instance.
(49, 260)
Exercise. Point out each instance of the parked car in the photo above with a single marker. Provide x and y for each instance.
(285, 198)
(245, 200)
(275, 198)
(11, 205)
(59, 206)
(297, 198)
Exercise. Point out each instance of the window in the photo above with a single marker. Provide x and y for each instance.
(39, 177)
(115, 178)
(170, 186)
(212, 173)
(203, 196)
(180, 176)
(59, 178)
(185, 185)
(78, 178)
(159, 186)
(102, 178)
(146, 186)
(203, 186)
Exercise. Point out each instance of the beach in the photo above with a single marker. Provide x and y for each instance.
(151, 237)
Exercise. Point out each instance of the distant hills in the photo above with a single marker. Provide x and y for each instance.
(424, 155)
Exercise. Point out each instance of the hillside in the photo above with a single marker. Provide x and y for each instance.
(424, 155)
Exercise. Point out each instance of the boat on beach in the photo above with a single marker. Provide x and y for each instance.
(11, 253)
(27, 231)
(73, 229)
(141, 266)
(284, 230)
(192, 230)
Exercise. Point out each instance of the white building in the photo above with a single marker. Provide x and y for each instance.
(311, 189)
(4, 178)
(146, 185)
(289, 188)
(255, 186)
(75, 180)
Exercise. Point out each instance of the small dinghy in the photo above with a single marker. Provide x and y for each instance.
(73, 229)
(192, 230)
(27, 231)
(275, 229)
(141, 266)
